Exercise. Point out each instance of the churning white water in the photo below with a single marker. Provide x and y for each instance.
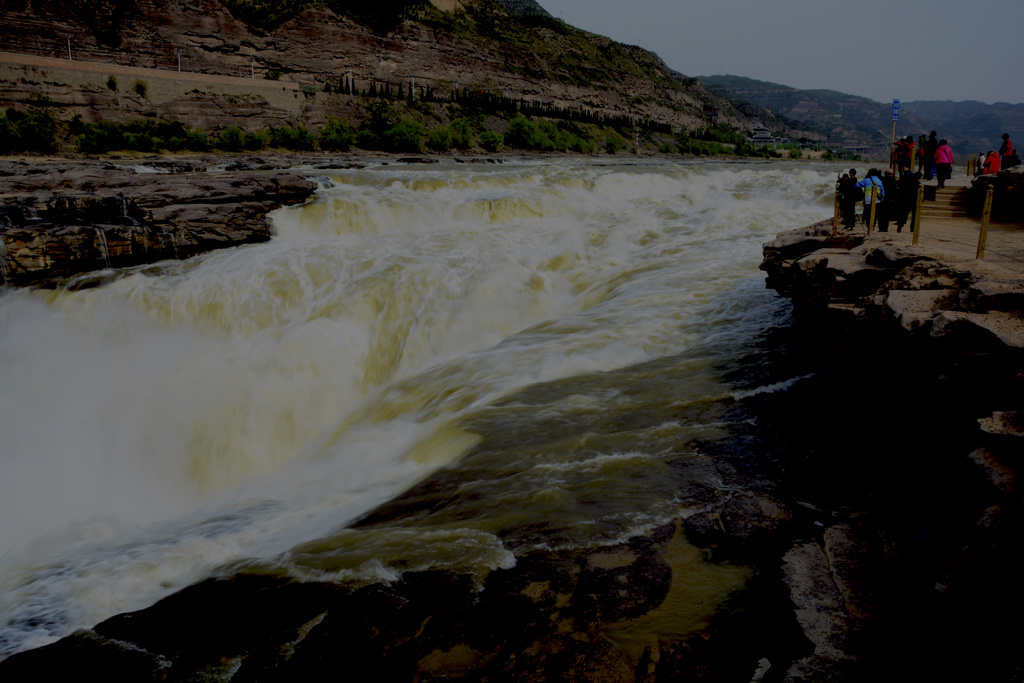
(246, 405)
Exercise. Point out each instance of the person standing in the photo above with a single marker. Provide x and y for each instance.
(885, 210)
(871, 181)
(943, 162)
(928, 158)
(907, 197)
(904, 152)
(846, 187)
(1005, 152)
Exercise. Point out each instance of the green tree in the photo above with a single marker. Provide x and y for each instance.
(407, 136)
(440, 139)
(522, 133)
(462, 133)
(337, 135)
(293, 138)
(255, 140)
(491, 141)
(231, 139)
(367, 139)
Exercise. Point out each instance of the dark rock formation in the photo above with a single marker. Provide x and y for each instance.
(542, 620)
(913, 442)
(1008, 194)
(68, 220)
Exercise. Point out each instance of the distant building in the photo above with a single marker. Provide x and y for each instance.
(759, 135)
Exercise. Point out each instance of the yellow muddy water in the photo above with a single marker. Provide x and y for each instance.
(545, 337)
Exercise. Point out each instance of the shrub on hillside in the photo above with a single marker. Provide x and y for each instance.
(33, 131)
(440, 139)
(301, 139)
(522, 134)
(337, 135)
(462, 133)
(255, 140)
(231, 139)
(367, 139)
(491, 141)
(407, 136)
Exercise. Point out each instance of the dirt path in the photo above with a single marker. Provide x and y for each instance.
(51, 64)
(162, 85)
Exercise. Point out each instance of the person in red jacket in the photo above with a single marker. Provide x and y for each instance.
(943, 162)
(904, 153)
(1005, 151)
(992, 163)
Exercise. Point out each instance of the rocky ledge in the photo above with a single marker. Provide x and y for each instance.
(854, 279)
(917, 442)
(59, 220)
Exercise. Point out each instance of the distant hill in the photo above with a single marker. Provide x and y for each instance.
(859, 122)
(978, 126)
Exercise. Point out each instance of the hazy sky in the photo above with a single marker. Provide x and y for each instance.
(882, 49)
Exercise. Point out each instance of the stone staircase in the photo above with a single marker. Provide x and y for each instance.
(946, 202)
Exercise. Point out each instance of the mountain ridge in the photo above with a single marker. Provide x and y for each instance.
(860, 122)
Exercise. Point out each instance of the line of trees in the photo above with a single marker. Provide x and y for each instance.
(388, 127)
(489, 102)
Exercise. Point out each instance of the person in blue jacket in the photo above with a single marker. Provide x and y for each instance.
(872, 179)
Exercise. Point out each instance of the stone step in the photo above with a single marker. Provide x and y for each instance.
(945, 202)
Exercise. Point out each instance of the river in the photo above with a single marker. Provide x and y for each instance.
(548, 334)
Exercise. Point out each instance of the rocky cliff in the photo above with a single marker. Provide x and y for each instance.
(476, 44)
(59, 221)
(920, 357)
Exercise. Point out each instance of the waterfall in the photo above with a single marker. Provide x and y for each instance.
(565, 323)
(101, 239)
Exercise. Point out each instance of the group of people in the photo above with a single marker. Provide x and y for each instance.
(892, 198)
(995, 161)
(934, 157)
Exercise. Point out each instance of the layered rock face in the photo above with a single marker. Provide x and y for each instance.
(56, 222)
(317, 46)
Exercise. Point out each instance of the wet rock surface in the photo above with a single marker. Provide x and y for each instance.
(59, 220)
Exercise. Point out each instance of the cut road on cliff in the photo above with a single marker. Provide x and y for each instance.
(162, 85)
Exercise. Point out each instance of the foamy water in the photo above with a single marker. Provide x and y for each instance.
(553, 328)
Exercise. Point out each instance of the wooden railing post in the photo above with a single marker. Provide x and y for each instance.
(917, 212)
(986, 215)
(835, 214)
(871, 221)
